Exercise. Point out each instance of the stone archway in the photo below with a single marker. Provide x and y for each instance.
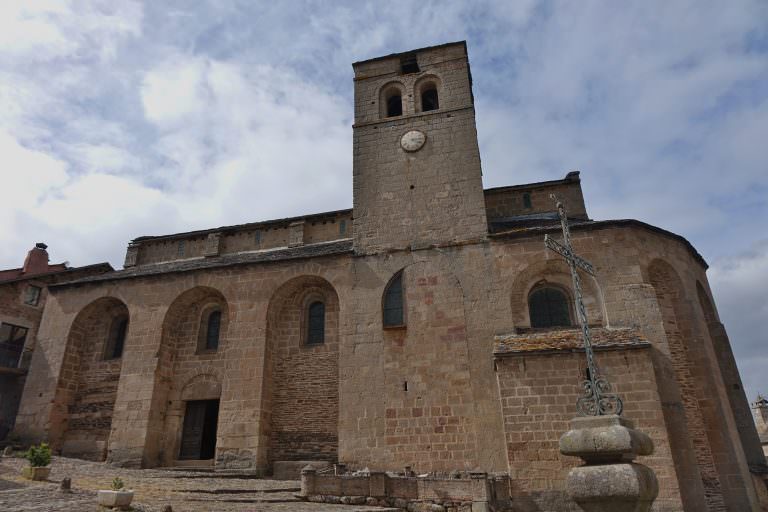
(87, 388)
(301, 384)
(181, 364)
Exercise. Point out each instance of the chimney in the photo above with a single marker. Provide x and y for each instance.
(37, 260)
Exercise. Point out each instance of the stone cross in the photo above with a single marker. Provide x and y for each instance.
(597, 399)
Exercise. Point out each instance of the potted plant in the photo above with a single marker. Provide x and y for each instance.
(39, 458)
(117, 497)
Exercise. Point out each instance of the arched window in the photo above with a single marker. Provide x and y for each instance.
(394, 105)
(429, 99)
(316, 323)
(548, 307)
(212, 329)
(393, 302)
(116, 338)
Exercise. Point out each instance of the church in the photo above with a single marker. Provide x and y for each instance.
(429, 326)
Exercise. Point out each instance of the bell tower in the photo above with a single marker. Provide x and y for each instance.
(416, 165)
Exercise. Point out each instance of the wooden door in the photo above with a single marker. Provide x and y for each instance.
(192, 432)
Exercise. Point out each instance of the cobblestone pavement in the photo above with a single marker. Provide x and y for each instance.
(154, 488)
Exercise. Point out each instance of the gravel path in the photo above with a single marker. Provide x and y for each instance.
(154, 488)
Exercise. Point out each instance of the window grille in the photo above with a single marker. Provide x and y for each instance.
(548, 307)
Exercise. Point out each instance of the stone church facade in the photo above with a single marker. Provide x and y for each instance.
(427, 327)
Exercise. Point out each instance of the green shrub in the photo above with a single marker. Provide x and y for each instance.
(38, 456)
(117, 484)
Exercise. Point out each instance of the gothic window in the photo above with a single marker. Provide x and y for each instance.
(548, 307)
(393, 302)
(213, 327)
(394, 105)
(429, 99)
(116, 338)
(316, 323)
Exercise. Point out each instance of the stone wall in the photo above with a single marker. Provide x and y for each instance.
(234, 239)
(303, 382)
(505, 202)
(538, 398)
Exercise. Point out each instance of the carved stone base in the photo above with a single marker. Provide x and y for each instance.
(609, 480)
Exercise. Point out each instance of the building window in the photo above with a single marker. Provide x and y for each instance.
(409, 64)
(32, 296)
(257, 238)
(180, 249)
(12, 338)
(394, 105)
(548, 307)
(527, 201)
(116, 338)
(429, 99)
(343, 227)
(316, 323)
(393, 302)
(212, 330)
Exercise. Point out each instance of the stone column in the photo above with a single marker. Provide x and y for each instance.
(609, 481)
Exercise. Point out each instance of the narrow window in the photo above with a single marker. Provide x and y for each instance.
(393, 302)
(180, 249)
(212, 330)
(316, 323)
(527, 200)
(33, 295)
(548, 307)
(394, 105)
(116, 339)
(429, 99)
(343, 227)
(257, 238)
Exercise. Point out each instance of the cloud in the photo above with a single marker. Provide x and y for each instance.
(740, 283)
(134, 118)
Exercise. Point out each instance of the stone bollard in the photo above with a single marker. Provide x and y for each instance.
(66, 485)
(307, 481)
(609, 481)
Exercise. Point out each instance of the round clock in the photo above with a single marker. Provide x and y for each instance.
(413, 140)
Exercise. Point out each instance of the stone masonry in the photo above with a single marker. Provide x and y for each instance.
(467, 383)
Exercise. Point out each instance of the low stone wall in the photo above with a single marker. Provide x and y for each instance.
(476, 492)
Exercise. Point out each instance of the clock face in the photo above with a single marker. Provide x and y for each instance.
(413, 140)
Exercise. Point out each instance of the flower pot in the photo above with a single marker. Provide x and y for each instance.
(119, 499)
(37, 473)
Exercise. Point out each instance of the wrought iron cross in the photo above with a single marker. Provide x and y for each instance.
(597, 399)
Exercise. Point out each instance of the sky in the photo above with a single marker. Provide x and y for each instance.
(120, 119)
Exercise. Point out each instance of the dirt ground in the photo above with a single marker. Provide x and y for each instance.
(154, 488)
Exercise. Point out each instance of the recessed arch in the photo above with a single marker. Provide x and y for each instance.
(298, 371)
(87, 392)
(182, 357)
